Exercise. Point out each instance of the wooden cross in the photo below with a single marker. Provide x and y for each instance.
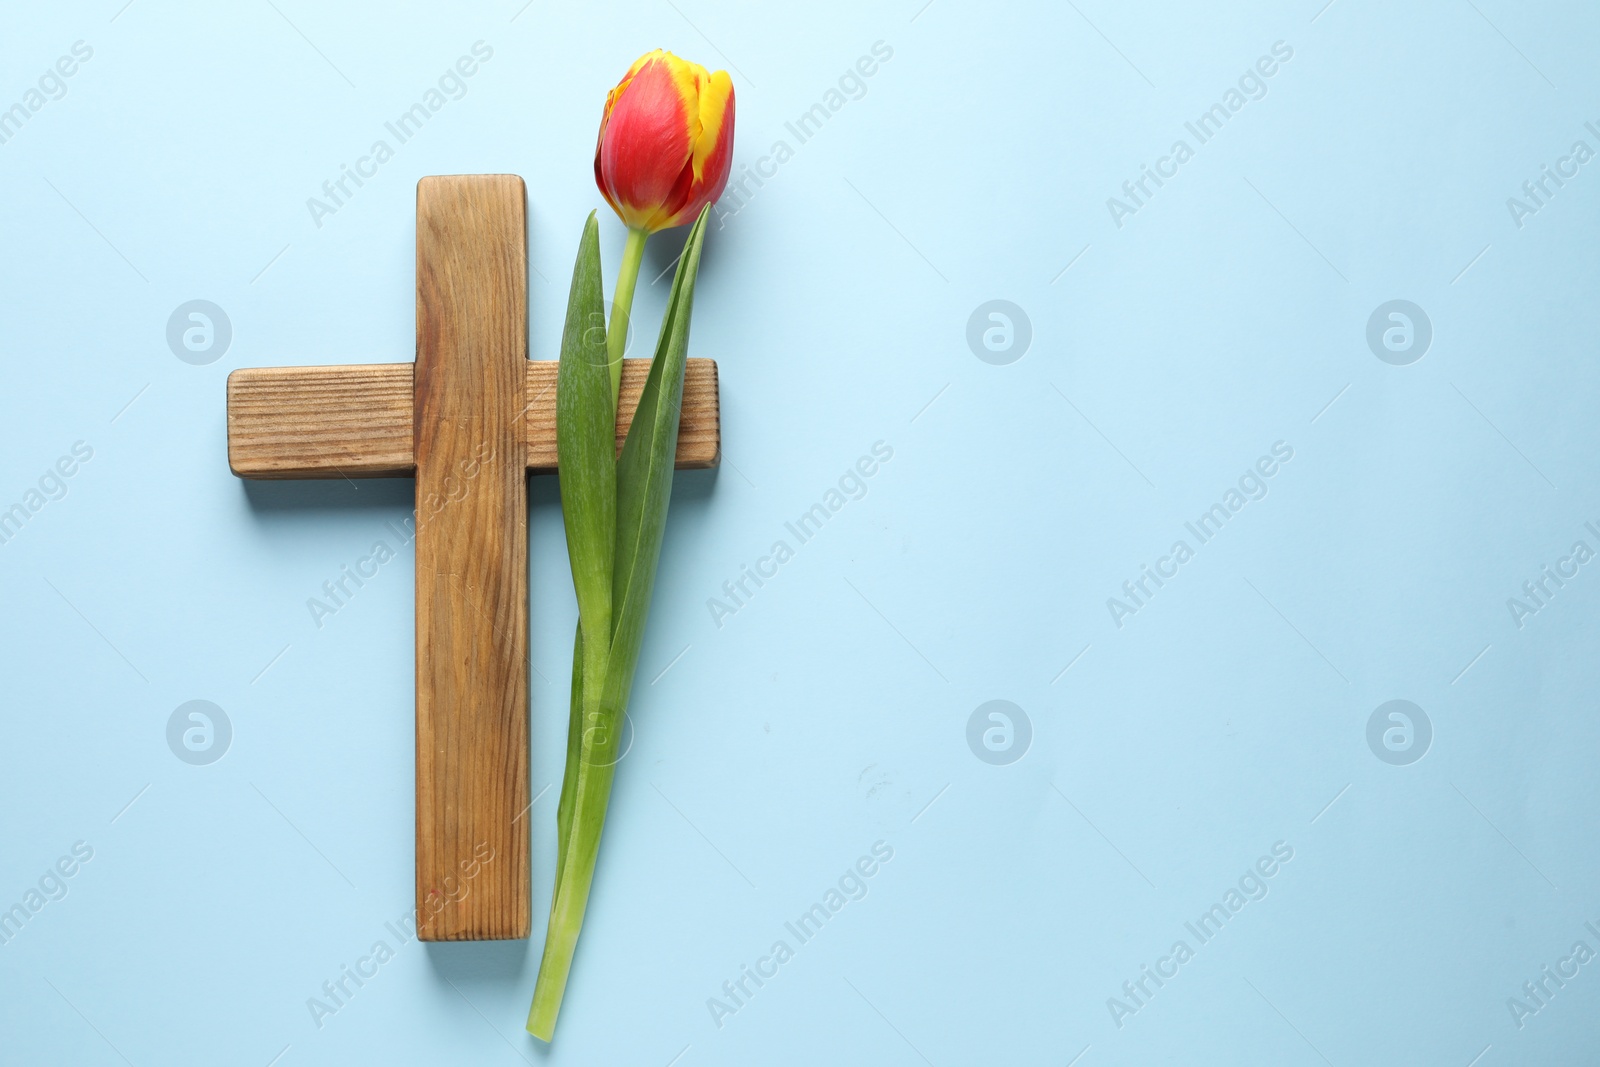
(469, 419)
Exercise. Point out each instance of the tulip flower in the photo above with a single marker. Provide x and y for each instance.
(663, 153)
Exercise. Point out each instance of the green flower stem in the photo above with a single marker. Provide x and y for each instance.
(590, 793)
(622, 305)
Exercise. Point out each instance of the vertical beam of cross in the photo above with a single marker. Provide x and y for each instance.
(472, 552)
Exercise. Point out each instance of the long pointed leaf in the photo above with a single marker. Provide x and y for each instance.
(644, 478)
(586, 442)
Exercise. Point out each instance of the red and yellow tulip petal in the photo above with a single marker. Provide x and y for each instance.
(712, 157)
(665, 144)
(648, 138)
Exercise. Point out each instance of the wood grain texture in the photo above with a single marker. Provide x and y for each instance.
(321, 422)
(472, 558)
(356, 421)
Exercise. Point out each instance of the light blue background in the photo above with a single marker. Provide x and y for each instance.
(830, 712)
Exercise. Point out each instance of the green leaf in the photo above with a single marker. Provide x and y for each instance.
(586, 443)
(569, 780)
(644, 477)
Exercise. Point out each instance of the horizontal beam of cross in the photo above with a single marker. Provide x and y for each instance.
(357, 421)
